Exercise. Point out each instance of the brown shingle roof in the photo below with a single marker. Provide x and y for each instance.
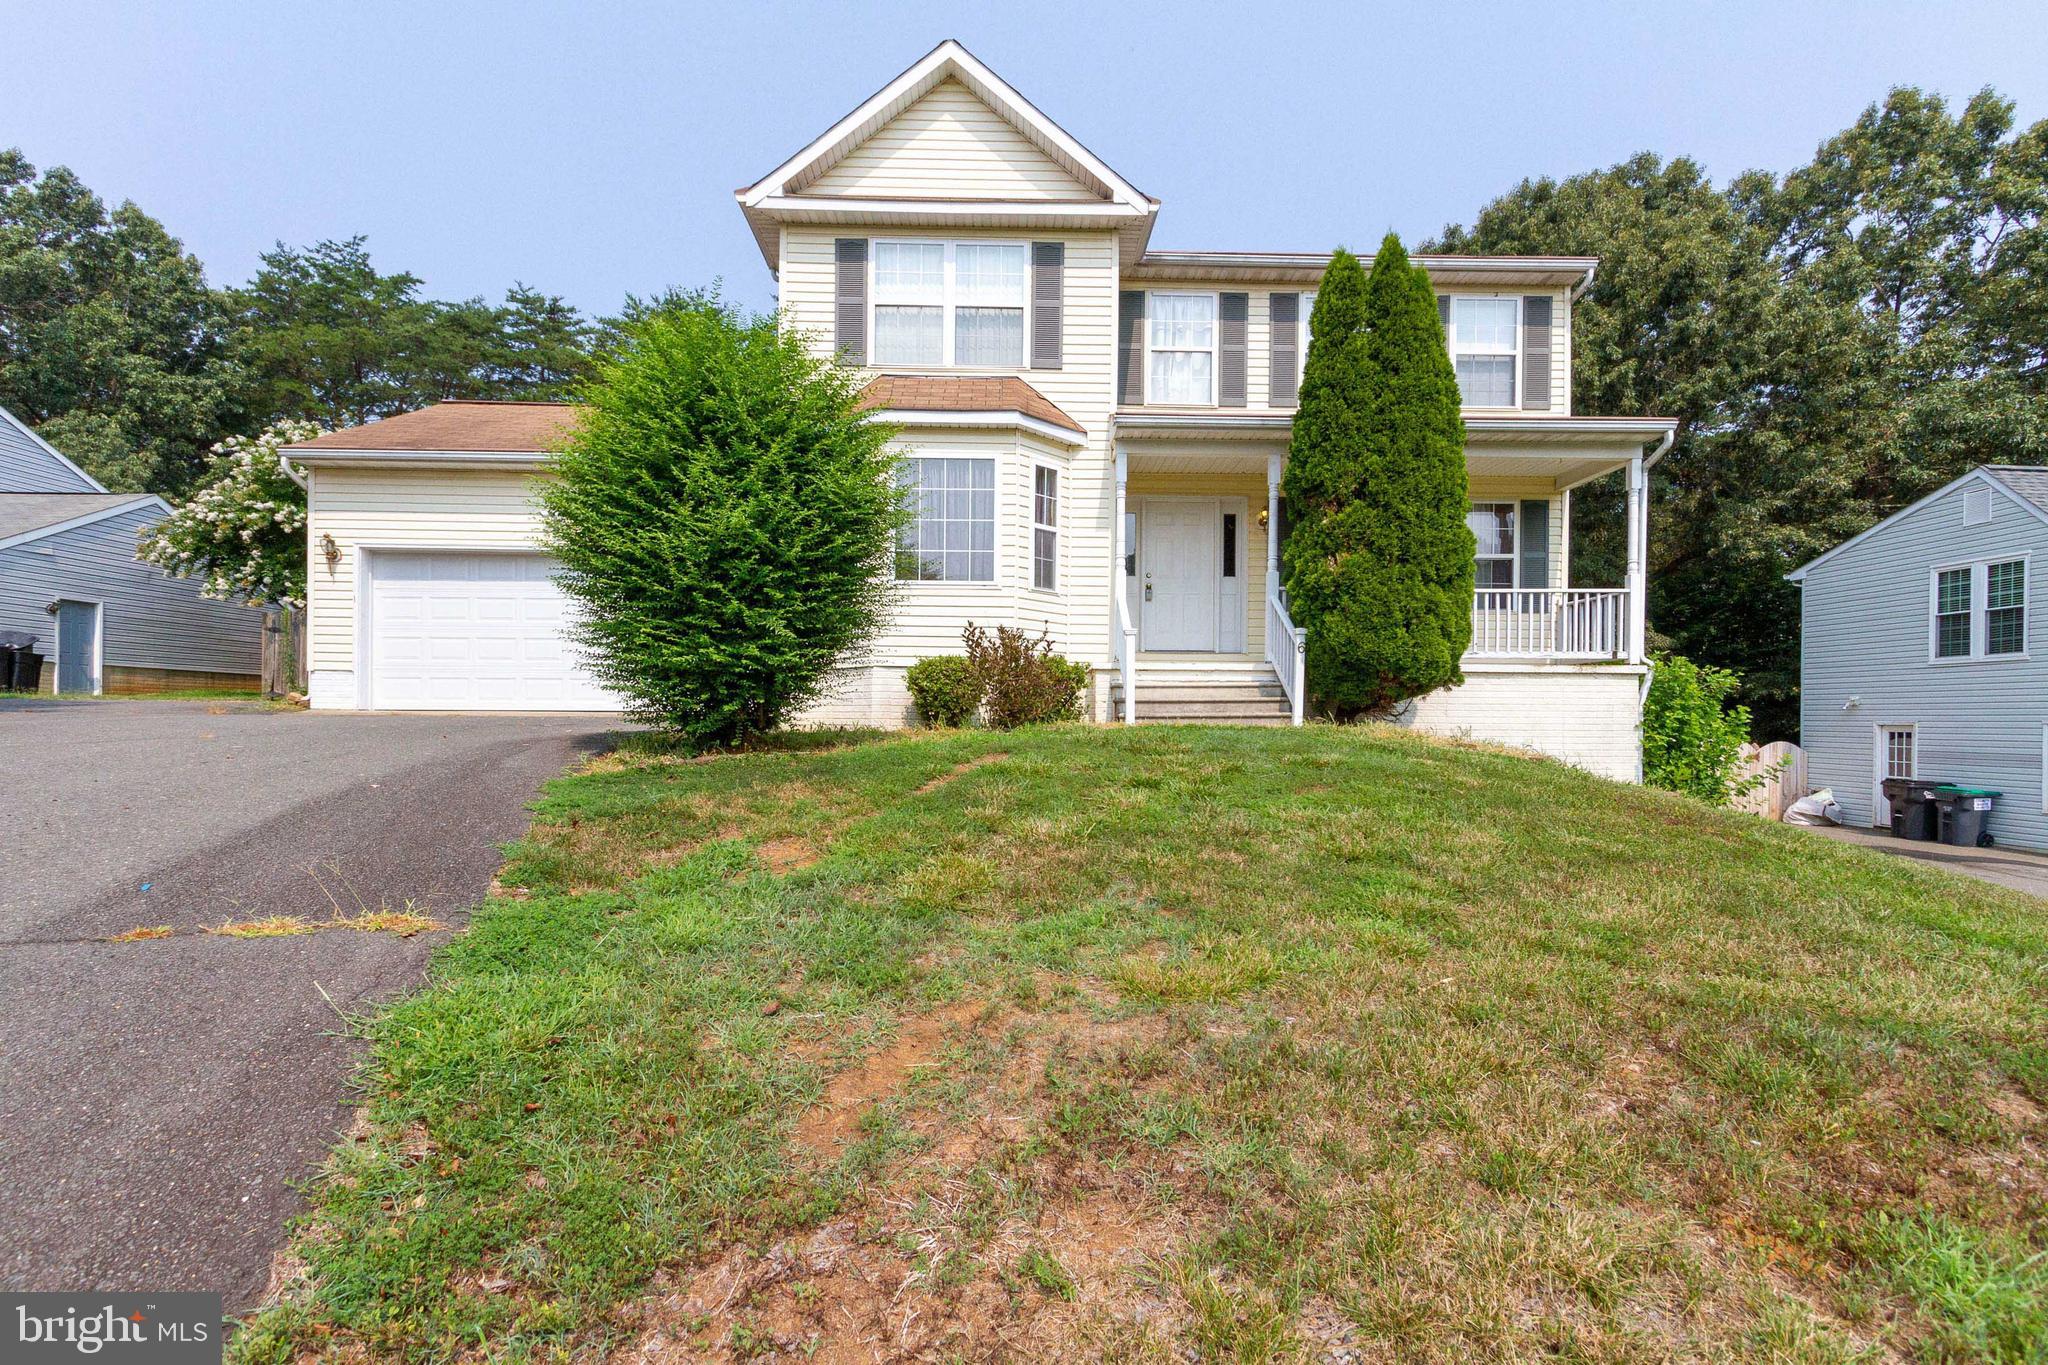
(465, 424)
(960, 393)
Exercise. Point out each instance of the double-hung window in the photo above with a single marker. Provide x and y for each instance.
(1181, 349)
(1493, 526)
(951, 534)
(950, 303)
(2005, 607)
(1980, 610)
(1045, 528)
(1482, 340)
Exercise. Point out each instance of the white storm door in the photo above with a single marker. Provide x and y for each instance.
(1178, 568)
(474, 632)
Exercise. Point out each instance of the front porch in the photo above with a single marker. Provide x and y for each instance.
(1198, 524)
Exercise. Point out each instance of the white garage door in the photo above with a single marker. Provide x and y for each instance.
(474, 632)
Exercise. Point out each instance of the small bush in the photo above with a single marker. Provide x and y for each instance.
(945, 690)
(1021, 681)
(1693, 731)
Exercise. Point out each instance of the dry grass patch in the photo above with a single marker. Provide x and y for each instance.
(141, 932)
(271, 926)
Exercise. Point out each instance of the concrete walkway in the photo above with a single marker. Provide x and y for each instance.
(2011, 867)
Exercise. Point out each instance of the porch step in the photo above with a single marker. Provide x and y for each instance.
(1240, 696)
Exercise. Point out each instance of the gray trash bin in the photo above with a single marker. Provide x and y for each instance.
(1965, 815)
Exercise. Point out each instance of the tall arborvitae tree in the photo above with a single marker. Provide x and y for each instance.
(1379, 560)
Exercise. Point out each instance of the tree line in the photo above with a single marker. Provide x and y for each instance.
(117, 350)
(1836, 343)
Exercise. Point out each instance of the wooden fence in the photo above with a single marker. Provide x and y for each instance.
(1783, 767)
(284, 651)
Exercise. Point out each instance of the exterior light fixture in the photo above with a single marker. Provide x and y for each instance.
(329, 551)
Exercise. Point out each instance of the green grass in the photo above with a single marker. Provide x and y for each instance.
(1246, 1044)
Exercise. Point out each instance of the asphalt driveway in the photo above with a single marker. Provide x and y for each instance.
(160, 1099)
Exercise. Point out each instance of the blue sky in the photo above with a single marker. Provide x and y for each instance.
(591, 149)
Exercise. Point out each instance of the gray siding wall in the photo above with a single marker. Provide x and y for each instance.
(150, 620)
(25, 467)
(1865, 624)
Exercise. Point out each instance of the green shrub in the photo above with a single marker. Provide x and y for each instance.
(724, 514)
(1020, 680)
(945, 690)
(1693, 730)
(1380, 560)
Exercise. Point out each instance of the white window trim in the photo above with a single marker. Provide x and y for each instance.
(990, 584)
(1980, 608)
(1514, 352)
(1514, 554)
(1059, 493)
(1215, 340)
(1304, 308)
(948, 302)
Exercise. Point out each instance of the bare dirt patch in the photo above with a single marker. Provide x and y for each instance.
(960, 770)
(782, 856)
(830, 1123)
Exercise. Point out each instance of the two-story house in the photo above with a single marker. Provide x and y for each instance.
(1093, 433)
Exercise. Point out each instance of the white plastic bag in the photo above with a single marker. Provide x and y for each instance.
(1815, 808)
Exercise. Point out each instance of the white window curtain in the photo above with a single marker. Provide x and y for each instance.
(989, 284)
(1483, 333)
(952, 535)
(910, 299)
(1182, 331)
(1493, 526)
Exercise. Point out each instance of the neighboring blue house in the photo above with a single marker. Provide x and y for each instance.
(105, 621)
(1919, 656)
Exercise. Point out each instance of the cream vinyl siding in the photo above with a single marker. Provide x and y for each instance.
(1259, 336)
(456, 509)
(948, 145)
(1083, 388)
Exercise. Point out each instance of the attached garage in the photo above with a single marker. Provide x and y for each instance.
(453, 631)
(427, 588)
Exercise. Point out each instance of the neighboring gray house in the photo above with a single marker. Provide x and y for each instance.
(105, 621)
(1920, 655)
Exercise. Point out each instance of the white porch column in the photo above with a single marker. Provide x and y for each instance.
(1638, 549)
(1274, 465)
(1121, 637)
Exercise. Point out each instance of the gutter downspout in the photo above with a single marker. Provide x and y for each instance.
(1579, 289)
(284, 462)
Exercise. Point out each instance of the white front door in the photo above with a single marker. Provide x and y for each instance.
(452, 631)
(1178, 566)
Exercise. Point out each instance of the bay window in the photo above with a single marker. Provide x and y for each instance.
(1180, 341)
(1045, 528)
(1482, 341)
(951, 536)
(963, 300)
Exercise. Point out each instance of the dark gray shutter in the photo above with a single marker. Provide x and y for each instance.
(1233, 314)
(1130, 347)
(1443, 311)
(1532, 532)
(1048, 293)
(850, 299)
(1536, 351)
(1283, 373)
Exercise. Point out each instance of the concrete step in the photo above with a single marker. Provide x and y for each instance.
(1208, 709)
(1192, 691)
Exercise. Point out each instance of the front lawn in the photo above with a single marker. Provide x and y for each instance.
(1224, 1043)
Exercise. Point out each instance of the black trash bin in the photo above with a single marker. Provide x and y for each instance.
(14, 644)
(1965, 811)
(28, 671)
(1913, 810)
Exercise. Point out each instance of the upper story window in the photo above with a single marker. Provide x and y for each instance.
(1482, 340)
(951, 537)
(1180, 341)
(1493, 526)
(1980, 610)
(964, 300)
(1307, 334)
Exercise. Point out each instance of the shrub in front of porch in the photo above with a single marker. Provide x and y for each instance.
(1022, 681)
(1694, 731)
(725, 517)
(1379, 565)
(944, 689)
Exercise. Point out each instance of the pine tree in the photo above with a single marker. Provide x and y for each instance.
(1379, 560)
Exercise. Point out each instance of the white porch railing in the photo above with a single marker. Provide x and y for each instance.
(1286, 649)
(1126, 652)
(1549, 623)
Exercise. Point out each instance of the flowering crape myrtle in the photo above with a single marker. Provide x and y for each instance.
(243, 534)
